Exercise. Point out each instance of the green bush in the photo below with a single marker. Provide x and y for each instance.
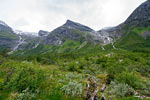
(72, 66)
(101, 60)
(144, 70)
(28, 77)
(114, 70)
(129, 78)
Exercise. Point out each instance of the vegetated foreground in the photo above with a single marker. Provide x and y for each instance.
(94, 75)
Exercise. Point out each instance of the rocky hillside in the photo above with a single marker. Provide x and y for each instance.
(141, 16)
(7, 36)
(134, 32)
(69, 31)
(138, 22)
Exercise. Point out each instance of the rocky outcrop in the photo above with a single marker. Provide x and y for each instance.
(43, 33)
(78, 26)
(146, 34)
(111, 34)
(27, 42)
(7, 43)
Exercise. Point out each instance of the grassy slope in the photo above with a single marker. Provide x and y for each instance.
(8, 35)
(94, 62)
(134, 41)
(140, 30)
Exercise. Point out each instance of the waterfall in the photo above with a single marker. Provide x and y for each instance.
(111, 41)
(36, 45)
(102, 48)
(19, 43)
(113, 46)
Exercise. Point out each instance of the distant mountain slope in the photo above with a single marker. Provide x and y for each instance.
(7, 36)
(5, 28)
(69, 31)
(133, 41)
(141, 16)
(134, 32)
(137, 31)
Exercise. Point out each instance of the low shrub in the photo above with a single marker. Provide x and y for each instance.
(129, 78)
(119, 89)
(25, 95)
(73, 89)
(72, 66)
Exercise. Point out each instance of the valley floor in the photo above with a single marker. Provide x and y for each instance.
(113, 75)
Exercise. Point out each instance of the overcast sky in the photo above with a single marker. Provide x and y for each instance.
(33, 15)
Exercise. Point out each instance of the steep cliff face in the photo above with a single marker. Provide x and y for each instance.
(43, 33)
(7, 36)
(27, 42)
(5, 28)
(141, 16)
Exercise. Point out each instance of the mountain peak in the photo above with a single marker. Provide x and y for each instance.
(71, 23)
(43, 33)
(75, 25)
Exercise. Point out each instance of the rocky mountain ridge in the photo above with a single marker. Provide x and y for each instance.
(75, 31)
(141, 16)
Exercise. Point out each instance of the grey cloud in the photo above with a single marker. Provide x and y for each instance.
(21, 22)
(33, 15)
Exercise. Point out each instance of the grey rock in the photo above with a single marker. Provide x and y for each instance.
(145, 34)
(5, 28)
(43, 33)
(110, 35)
(27, 41)
(7, 36)
(71, 31)
(7, 43)
(72, 24)
(140, 16)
